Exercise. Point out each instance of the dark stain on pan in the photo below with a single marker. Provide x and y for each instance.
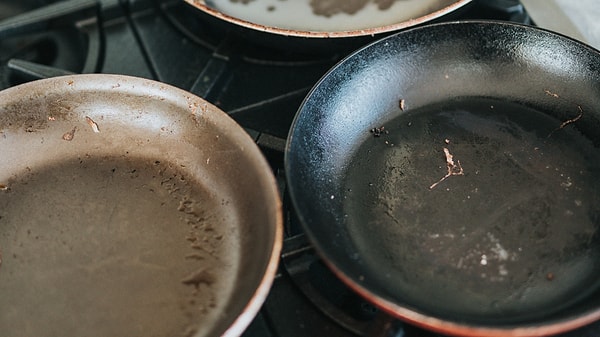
(39, 113)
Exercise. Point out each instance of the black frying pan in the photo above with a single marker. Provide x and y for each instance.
(449, 174)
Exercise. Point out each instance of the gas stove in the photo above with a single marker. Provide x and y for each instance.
(259, 87)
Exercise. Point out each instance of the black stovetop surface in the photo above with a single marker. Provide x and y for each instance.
(260, 87)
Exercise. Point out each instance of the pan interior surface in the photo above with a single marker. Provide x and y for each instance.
(113, 246)
(130, 208)
(477, 208)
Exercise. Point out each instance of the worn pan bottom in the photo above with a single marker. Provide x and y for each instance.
(477, 209)
(131, 241)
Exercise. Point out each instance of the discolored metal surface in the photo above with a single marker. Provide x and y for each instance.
(129, 207)
(449, 175)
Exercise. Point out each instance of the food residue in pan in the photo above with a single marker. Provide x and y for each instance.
(92, 124)
(328, 8)
(69, 135)
(402, 104)
(332, 7)
(327, 15)
(377, 132)
(568, 121)
(454, 169)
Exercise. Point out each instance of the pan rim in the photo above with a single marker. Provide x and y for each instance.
(454, 328)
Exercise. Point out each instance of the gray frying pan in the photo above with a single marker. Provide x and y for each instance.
(130, 208)
(449, 174)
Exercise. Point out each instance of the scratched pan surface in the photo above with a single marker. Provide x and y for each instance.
(130, 208)
(449, 174)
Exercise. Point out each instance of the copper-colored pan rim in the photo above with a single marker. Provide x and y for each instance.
(201, 5)
(457, 329)
(261, 293)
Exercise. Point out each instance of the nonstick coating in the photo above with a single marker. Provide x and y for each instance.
(449, 175)
(130, 208)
